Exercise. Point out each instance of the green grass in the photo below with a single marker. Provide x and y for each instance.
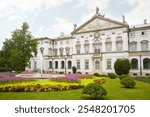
(113, 87)
(143, 79)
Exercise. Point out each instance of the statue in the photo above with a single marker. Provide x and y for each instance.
(97, 10)
(123, 18)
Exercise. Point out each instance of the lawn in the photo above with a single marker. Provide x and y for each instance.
(113, 87)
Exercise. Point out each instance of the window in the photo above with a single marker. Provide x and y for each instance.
(132, 34)
(55, 52)
(56, 64)
(133, 46)
(50, 64)
(134, 63)
(50, 52)
(82, 36)
(108, 47)
(42, 51)
(78, 64)
(108, 63)
(61, 51)
(144, 45)
(78, 46)
(97, 47)
(29, 64)
(61, 42)
(86, 64)
(62, 64)
(35, 65)
(143, 33)
(146, 63)
(67, 42)
(119, 47)
(67, 51)
(86, 46)
(97, 64)
(69, 64)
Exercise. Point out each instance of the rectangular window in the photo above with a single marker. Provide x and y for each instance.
(97, 65)
(78, 64)
(108, 63)
(108, 47)
(143, 33)
(86, 64)
(50, 64)
(35, 65)
(78, 50)
(29, 64)
(119, 47)
(86, 49)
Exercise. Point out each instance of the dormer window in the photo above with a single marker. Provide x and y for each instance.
(143, 33)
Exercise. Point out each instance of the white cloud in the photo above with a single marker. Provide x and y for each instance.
(91, 6)
(139, 12)
(8, 7)
(61, 25)
(14, 17)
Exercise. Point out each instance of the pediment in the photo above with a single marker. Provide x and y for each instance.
(99, 23)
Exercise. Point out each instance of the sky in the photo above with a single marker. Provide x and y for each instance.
(48, 18)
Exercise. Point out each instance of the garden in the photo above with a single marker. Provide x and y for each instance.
(72, 87)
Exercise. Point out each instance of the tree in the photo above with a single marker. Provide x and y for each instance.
(19, 48)
(122, 66)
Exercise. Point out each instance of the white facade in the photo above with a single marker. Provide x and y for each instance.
(94, 47)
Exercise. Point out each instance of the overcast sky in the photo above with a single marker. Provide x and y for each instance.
(47, 18)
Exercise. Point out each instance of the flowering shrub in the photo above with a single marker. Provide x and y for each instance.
(99, 81)
(39, 88)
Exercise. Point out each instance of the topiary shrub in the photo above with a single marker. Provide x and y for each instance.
(96, 74)
(128, 82)
(123, 76)
(95, 91)
(122, 66)
(74, 69)
(112, 75)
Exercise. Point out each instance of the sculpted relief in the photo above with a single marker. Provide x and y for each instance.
(98, 24)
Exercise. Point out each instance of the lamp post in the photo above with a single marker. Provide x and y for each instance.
(41, 65)
(53, 64)
(65, 64)
(140, 67)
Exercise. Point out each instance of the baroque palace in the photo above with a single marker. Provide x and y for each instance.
(95, 46)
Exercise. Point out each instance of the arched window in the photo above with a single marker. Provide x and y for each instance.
(146, 63)
(50, 64)
(42, 51)
(69, 64)
(134, 63)
(62, 64)
(56, 64)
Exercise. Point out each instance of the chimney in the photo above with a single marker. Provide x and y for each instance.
(145, 21)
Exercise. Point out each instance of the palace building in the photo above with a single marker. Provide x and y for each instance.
(94, 46)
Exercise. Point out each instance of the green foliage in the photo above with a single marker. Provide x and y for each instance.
(79, 72)
(122, 66)
(94, 90)
(96, 74)
(112, 75)
(74, 69)
(17, 50)
(39, 88)
(123, 76)
(128, 82)
(61, 72)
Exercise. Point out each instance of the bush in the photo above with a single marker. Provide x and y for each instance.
(94, 90)
(61, 72)
(123, 76)
(4, 69)
(74, 69)
(128, 82)
(122, 66)
(99, 81)
(79, 72)
(96, 74)
(112, 75)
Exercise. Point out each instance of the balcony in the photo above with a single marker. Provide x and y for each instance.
(97, 55)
